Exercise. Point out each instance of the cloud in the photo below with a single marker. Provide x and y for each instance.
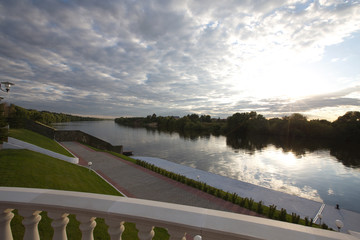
(128, 58)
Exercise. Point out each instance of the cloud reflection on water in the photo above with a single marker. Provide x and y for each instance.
(270, 170)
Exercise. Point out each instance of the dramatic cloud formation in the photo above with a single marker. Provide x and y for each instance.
(134, 58)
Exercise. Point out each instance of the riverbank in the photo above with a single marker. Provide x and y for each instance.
(301, 206)
(316, 173)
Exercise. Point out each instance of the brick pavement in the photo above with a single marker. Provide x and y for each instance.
(136, 181)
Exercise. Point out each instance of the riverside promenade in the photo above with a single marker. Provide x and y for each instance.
(135, 181)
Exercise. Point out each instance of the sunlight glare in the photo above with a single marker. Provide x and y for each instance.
(288, 159)
(278, 77)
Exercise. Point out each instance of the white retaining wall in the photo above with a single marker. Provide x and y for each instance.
(17, 144)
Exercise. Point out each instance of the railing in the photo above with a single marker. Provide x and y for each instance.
(179, 220)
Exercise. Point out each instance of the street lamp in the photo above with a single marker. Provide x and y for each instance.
(7, 86)
(89, 165)
(339, 224)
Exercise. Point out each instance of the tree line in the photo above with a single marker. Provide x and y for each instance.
(296, 126)
(16, 116)
(191, 122)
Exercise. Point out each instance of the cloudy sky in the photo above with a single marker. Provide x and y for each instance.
(134, 58)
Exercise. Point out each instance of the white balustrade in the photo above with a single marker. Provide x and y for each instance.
(30, 222)
(116, 228)
(87, 225)
(146, 231)
(177, 233)
(179, 220)
(5, 218)
(60, 220)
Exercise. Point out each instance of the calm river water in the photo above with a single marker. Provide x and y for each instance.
(314, 174)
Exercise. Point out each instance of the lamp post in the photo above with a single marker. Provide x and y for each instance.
(339, 224)
(7, 86)
(89, 164)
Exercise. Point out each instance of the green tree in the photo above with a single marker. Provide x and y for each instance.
(296, 125)
(193, 117)
(320, 129)
(247, 123)
(205, 118)
(3, 124)
(347, 127)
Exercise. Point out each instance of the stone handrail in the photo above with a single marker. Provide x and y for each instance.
(179, 220)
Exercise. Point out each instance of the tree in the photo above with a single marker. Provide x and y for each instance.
(205, 118)
(347, 127)
(237, 123)
(297, 125)
(3, 124)
(244, 123)
(193, 117)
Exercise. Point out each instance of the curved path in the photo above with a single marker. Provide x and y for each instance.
(136, 181)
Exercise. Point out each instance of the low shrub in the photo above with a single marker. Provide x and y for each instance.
(248, 203)
(271, 213)
(295, 218)
(259, 208)
(282, 215)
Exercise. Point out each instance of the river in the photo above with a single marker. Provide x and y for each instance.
(331, 176)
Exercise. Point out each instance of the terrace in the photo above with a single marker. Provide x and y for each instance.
(182, 222)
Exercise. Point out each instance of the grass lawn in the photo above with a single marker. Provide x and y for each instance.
(24, 168)
(38, 140)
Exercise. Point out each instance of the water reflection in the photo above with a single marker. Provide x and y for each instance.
(186, 135)
(347, 154)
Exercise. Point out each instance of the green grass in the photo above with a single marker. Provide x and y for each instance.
(24, 168)
(38, 140)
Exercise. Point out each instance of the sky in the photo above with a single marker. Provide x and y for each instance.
(136, 58)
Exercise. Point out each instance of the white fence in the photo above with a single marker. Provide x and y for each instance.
(179, 220)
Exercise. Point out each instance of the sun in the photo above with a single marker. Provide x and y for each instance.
(271, 76)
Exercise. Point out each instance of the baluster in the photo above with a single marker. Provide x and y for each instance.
(5, 229)
(177, 233)
(30, 222)
(146, 231)
(87, 225)
(60, 220)
(116, 229)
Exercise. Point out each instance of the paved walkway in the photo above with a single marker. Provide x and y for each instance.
(135, 181)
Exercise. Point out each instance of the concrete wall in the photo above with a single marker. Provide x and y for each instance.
(71, 135)
(79, 136)
(40, 128)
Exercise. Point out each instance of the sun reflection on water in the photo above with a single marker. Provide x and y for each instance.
(272, 171)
